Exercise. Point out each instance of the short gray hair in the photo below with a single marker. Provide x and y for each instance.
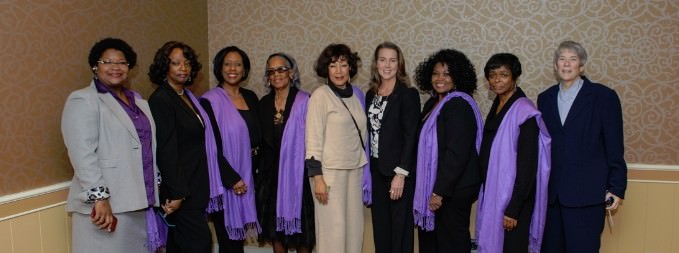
(573, 46)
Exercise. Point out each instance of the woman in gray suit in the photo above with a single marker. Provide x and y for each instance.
(109, 133)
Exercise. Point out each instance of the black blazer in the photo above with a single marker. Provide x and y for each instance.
(181, 156)
(588, 150)
(458, 165)
(398, 132)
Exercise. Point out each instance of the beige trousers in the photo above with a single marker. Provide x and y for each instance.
(339, 223)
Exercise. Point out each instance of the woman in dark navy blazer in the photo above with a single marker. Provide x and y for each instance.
(393, 110)
(588, 165)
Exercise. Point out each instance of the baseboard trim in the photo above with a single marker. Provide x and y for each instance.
(659, 167)
(34, 192)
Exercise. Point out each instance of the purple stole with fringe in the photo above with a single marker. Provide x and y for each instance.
(240, 215)
(496, 191)
(291, 168)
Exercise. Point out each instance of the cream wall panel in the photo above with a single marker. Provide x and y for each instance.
(26, 234)
(675, 220)
(660, 212)
(630, 226)
(54, 228)
(639, 219)
(5, 236)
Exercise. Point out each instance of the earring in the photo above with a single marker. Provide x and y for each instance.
(188, 80)
(94, 68)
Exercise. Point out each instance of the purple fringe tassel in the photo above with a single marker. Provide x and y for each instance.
(156, 231)
(424, 221)
(289, 227)
(250, 230)
(216, 204)
(367, 197)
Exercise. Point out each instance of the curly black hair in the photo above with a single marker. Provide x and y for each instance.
(460, 68)
(218, 61)
(161, 62)
(503, 59)
(112, 43)
(333, 53)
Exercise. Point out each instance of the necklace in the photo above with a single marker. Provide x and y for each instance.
(180, 93)
(278, 117)
(279, 108)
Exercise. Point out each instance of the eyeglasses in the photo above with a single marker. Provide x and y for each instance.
(113, 63)
(279, 70)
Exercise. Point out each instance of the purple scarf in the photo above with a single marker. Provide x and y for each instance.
(427, 160)
(291, 168)
(240, 215)
(497, 190)
(367, 184)
(156, 231)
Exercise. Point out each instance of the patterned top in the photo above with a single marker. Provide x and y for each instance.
(375, 113)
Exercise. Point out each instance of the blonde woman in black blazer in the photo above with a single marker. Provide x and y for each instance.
(393, 111)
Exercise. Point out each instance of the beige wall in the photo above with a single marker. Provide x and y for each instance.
(632, 46)
(44, 47)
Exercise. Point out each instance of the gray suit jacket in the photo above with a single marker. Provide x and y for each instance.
(105, 150)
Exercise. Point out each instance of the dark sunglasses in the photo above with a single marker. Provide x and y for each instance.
(279, 70)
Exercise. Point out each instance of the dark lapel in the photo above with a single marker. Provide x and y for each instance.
(582, 100)
(551, 109)
(184, 107)
(393, 98)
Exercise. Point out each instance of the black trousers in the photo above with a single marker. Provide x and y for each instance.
(451, 224)
(393, 224)
(226, 245)
(191, 232)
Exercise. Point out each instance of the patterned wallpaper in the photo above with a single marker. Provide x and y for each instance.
(633, 46)
(44, 45)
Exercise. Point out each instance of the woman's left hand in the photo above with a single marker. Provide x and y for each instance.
(509, 223)
(171, 206)
(435, 202)
(103, 215)
(396, 190)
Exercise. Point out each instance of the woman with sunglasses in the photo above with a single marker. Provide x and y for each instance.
(284, 203)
